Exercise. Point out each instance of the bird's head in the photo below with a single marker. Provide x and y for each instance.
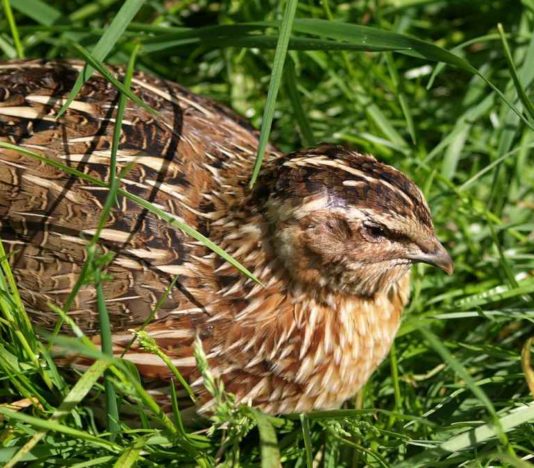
(346, 222)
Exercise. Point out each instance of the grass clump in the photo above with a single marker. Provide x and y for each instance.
(440, 89)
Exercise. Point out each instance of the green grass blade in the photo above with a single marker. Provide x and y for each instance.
(191, 232)
(10, 287)
(270, 454)
(54, 426)
(38, 10)
(454, 150)
(257, 42)
(321, 415)
(460, 48)
(131, 455)
(300, 116)
(513, 72)
(468, 440)
(471, 384)
(23, 385)
(8, 50)
(108, 76)
(274, 85)
(91, 9)
(496, 294)
(176, 415)
(306, 435)
(385, 126)
(115, 142)
(104, 46)
(468, 183)
(73, 398)
(370, 36)
(360, 449)
(150, 345)
(13, 27)
(394, 365)
(15, 314)
(98, 462)
(121, 369)
(365, 35)
(401, 96)
(112, 410)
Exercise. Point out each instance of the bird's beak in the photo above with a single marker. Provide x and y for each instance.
(438, 256)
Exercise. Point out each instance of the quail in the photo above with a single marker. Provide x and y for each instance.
(330, 233)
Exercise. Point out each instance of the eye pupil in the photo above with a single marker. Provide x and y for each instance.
(376, 231)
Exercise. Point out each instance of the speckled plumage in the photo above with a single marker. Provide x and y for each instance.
(331, 233)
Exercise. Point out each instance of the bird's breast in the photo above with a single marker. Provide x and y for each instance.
(311, 355)
(351, 343)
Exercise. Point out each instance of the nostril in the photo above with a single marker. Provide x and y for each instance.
(429, 247)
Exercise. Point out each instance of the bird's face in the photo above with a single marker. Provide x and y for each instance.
(349, 223)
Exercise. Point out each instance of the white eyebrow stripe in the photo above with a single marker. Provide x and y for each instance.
(351, 212)
(323, 161)
(323, 203)
(316, 203)
(353, 183)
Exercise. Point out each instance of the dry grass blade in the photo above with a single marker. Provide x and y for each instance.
(526, 365)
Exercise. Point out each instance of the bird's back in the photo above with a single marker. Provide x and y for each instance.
(183, 160)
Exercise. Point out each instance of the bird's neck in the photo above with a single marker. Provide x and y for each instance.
(246, 235)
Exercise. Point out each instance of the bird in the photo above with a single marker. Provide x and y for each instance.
(330, 233)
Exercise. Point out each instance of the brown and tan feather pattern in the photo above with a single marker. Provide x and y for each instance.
(331, 233)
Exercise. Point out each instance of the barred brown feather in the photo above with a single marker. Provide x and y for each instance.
(331, 233)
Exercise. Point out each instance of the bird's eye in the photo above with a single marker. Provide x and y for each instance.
(374, 232)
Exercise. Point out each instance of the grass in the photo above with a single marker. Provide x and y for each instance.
(450, 104)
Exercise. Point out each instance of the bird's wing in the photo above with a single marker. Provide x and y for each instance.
(172, 160)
